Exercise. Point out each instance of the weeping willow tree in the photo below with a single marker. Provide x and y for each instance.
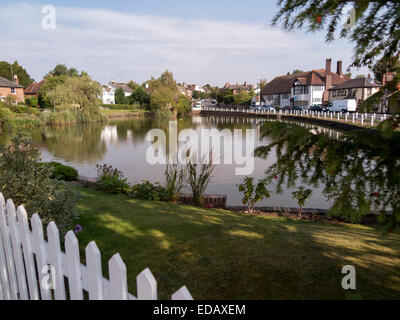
(359, 171)
(75, 101)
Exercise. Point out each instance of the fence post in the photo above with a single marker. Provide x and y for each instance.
(73, 266)
(94, 271)
(146, 286)
(118, 279)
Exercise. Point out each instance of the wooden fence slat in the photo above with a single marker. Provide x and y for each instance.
(5, 290)
(118, 279)
(55, 260)
(30, 269)
(182, 294)
(94, 271)
(72, 264)
(146, 286)
(17, 251)
(41, 255)
(5, 237)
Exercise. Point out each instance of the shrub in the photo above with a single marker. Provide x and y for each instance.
(199, 181)
(111, 180)
(253, 194)
(5, 117)
(149, 191)
(302, 195)
(31, 102)
(63, 172)
(18, 108)
(175, 181)
(121, 106)
(28, 182)
(33, 111)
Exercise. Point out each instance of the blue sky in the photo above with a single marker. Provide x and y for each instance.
(199, 41)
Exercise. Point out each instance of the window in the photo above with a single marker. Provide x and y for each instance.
(285, 96)
(12, 90)
(369, 91)
(319, 88)
(301, 90)
(341, 92)
(315, 100)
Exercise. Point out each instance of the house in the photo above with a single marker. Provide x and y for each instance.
(108, 95)
(390, 102)
(108, 91)
(359, 89)
(303, 89)
(235, 88)
(10, 88)
(33, 89)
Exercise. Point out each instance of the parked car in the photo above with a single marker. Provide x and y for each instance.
(286, 108)
(268, 108)
(297, 108)
(316, 108)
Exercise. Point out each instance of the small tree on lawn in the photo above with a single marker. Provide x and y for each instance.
(253, 194)
(302, 195)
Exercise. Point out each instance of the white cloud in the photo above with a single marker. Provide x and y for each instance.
(127, 46)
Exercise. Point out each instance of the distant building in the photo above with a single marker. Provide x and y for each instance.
(108, 95)
(235, 88)
(359, 89)
(10, 88)
(303, 89)
(33, 89)
(108, 91)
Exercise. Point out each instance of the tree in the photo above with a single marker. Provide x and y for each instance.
(243, 98)
(8, 71)
(301, 195)
(296, 71)
(163, 92)
(120, 96)
(63, 70)
(387, 64)
(373, 25)
(77, 97)
(140, 96)
(358, 171)
(184, 105)
(253, 194)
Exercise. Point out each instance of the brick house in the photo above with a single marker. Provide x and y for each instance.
(33, 89)
(10, 88)
(303, 89)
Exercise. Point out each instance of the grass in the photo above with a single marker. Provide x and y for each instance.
(219, 254)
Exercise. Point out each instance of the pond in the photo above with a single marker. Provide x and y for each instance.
(123, 145)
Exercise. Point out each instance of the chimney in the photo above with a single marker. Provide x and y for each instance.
(16, 79)
(328, 66)
(339, 67)
(384, 79)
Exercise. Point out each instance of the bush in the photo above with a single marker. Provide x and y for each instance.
(5, 117)
(198, 180)
(18, 108)
(28, 182)
(111, 180)
(33, 111)
(31, 102)
(63, 172)
(121, 106)
(253, 194)
(149, 191)
(175, 181)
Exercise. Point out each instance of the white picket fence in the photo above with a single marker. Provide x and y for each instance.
(32, 268)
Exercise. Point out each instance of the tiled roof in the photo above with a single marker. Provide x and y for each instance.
(8, 84)
(283, 84)
(357, 83)
(34, 87)
(121, 85)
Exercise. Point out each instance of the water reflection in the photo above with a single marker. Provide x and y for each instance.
(123, 145)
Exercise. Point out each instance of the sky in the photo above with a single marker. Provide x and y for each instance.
(199, 41)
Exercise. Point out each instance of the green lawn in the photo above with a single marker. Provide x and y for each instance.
(223, 255)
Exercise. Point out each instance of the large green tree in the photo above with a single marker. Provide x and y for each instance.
(8, 70)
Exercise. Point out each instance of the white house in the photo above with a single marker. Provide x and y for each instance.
(109, 91)
(108, 95)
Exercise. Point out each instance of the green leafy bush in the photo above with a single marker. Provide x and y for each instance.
(149, 191)
(33, 111)
(28, 182)
(18, 108)
(302, 195)
(5, 117)
(253, 194)
(121, 106)
(31, 102)
(111, 180)
(63, 172)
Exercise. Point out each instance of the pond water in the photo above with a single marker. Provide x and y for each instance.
(123, 145)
